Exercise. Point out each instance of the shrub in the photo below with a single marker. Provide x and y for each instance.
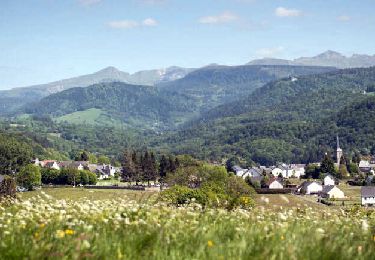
(29, 177)
(179, 195)
(84, 177)
(50, 176)
(8, 187)
(92, 178)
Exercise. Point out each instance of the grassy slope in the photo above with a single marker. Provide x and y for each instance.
(92, 116)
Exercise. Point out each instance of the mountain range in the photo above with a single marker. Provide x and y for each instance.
(328, 58)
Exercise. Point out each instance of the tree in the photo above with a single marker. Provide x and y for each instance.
(163, 167)
(171, 164)
(50, 176)
(231, 162)
(104, 160)
(29, 177)
(14, 154)
(327, 164)
(82, 156)
(129, 169)
(353, 168)
(84, 178)
(312, 171)
(8, 187)
(356, 158)
(343, 172)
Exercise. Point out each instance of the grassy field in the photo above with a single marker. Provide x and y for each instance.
(76, 194)
(73, 223)
(92, 116)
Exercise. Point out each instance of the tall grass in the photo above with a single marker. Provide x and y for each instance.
(42, 228)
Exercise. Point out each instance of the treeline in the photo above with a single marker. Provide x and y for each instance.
(67, 176)
(144, 167)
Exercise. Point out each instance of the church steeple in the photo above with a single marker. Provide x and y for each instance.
(338, 151)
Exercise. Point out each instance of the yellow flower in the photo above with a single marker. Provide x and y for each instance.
(282, 237)
(69, 232)
(42, 225)
(210, 243)
(36, 235)
(374, 238)
(60, 233)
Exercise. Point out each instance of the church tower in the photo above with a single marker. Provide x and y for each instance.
(338, 151)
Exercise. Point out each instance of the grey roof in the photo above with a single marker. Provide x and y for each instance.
(236, 168)
(2, 178)
(368, 191)
(327, 188)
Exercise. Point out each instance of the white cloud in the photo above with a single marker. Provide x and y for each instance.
(89, 2)
(149, 22)
(285, 12)
(344, 18)
(225, 17)
(130, 24)
(269, 52)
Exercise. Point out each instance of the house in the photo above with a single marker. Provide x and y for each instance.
(298, 170)
(328, 180)
(368, 195)
(238, 170)
(50, 164)
(36, 162)
(275, 184)
(103, 171)
(289, 171)
(278, 171)
(332, 192)
(310, 187)
(79, 165)
(367, 166)
(252, 172)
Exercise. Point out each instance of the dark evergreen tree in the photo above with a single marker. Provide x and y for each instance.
(327, 164)
(171, 164)
(163, 167)
(129, 169)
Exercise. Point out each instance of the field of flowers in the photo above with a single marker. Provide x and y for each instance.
(43, 227)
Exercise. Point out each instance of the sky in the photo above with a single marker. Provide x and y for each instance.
(47, 40)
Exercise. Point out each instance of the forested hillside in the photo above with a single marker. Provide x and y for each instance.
(215, 85)
(290, 120)
(141, 106)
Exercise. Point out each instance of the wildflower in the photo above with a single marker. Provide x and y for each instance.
(282, 237)
(365, 225)
(359, 249)
(42, 225)
(36, 235)
(320, 230)
(86, 244)
(69, 232)
(210, 243)
(374, 238)
(60, 233)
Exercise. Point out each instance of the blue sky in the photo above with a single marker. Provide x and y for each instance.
(47, 40)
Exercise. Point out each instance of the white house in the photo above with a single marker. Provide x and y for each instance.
(277, 171)
(52, 165)
(298, 170)
(329, 180)
(366, 166)
(239, 171)
(368, 195)
(310, 187)
(332, 192)
(275, 184)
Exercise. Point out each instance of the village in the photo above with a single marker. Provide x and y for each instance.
(291, 178)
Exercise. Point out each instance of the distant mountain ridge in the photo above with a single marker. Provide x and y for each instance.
(12, 99)
(328, 58)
